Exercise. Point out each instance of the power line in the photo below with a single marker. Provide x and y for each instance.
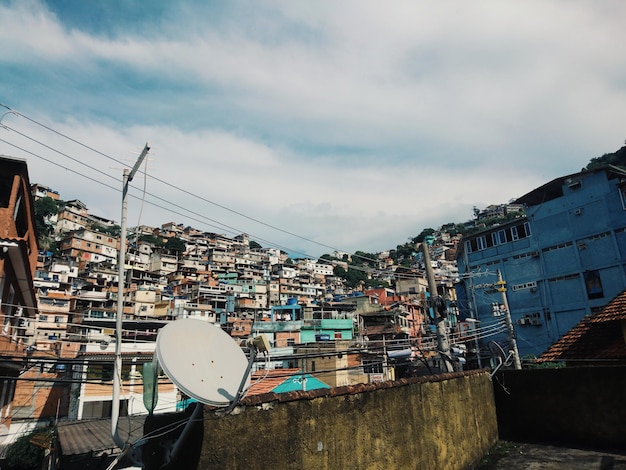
(178, 188)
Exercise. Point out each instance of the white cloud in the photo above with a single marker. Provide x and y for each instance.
(353, 123)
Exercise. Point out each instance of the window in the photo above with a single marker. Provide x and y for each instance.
(43, 317)
(8, 309)
(502, 237)
(593, 283)
(372, 366)
(291, 342)
(481, 243)
(58, 319)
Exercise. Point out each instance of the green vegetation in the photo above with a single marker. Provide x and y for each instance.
(45, 208)
(496, 453)
(359, 271)
(617, 159)
(175, 244)
(530, 362)
(24, 454)
(151, 239)
(113, 230)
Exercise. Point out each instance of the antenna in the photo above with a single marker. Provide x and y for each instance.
(500, 358)
(203, 361)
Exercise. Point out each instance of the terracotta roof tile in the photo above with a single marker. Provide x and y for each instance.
(264, 381)
(596, 337)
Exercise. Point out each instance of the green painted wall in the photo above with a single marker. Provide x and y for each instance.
(440, 422)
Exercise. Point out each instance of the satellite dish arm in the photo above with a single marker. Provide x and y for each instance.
(240, 391)
(196, 415)
(256, 344)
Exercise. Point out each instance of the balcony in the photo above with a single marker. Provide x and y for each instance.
(276, 326)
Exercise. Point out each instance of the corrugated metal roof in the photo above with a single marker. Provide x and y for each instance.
(94, 435)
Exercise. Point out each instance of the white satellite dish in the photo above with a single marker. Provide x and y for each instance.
(203, 361)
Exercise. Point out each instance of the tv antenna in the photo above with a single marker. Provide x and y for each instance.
(499, 357)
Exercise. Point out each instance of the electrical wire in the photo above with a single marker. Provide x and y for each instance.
(172, 186)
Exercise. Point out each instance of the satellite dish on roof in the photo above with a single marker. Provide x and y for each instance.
(499, 357)
(203, 361)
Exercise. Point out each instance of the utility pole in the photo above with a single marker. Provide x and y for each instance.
(509, 323)
(117, 371)
(473, 313)
(443, 345)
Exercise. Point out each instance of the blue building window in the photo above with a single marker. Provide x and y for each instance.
(593, 283)
(506, 235)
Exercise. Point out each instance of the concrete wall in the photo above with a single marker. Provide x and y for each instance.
(581, 406)
(443, 422)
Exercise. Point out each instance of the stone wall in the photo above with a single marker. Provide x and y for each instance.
(577, 406)
(444, 422)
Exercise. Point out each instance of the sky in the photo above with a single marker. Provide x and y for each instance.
(312, 126)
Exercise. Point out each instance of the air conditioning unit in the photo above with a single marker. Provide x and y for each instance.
(578, 212)
(522, 321)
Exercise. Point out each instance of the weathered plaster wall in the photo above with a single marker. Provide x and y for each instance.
(440, 422)
(581, 406)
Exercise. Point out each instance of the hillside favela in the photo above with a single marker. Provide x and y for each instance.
(169, 346)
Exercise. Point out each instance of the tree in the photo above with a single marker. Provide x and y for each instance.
(23, 454)
(255, 245)
(44, 209)
(113, 230)
(156, 241)
(617, 158)
(423, 234)
(175, 244)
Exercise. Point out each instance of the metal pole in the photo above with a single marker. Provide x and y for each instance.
(443, 345)
(509, 322)
(473, 312)
(117, 371)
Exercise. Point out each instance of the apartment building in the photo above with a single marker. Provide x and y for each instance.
(18, 262)
(563, 260)
(89, 246)
(73, 216)
(52, 321)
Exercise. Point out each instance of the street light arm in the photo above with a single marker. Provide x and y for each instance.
(144, 152)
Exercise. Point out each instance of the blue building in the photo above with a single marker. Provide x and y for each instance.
(564, 259)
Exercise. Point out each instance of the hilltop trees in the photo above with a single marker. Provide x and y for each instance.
(616, 158)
